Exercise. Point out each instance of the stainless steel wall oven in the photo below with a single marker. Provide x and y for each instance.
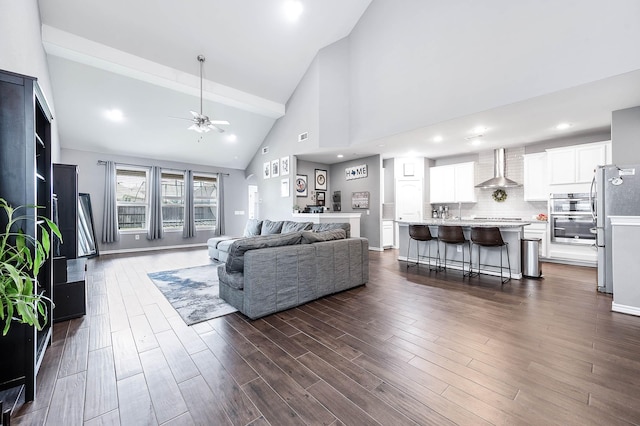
(571, 220)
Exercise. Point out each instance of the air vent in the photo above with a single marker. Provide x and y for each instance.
(303, 136)
(265, 150)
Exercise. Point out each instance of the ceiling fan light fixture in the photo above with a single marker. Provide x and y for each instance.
(202, 123)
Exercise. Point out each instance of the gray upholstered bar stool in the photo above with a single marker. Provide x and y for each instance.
(419, 233)
(453, 235)
(491, 237)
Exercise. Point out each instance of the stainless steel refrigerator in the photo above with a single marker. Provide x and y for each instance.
(615, 191)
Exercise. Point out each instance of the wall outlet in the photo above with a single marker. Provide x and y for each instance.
(137, 237)
(239, 212)
(459, 249)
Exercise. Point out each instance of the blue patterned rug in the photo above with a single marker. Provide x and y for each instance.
(193, 292)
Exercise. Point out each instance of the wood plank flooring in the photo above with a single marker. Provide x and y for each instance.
(409, 348)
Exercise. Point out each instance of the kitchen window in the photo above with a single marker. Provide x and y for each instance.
(172, 200)
(205, 201)
(131, 198)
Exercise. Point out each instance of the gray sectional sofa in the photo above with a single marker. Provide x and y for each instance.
(270, 273)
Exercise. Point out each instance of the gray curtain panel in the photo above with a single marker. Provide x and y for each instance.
(110, 232)
(220, 209)
(189, 227)
(155, 231)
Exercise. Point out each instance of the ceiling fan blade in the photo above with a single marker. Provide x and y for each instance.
(181, 118)
(220, 122)
(217, 129)
(196, 114)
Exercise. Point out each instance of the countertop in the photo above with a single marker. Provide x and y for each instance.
(470, 222)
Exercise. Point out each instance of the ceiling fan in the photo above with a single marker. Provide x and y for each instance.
(202, 123)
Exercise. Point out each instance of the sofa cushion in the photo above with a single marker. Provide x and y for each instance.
(291, 226)
(319, 227)
(310, 237)
(235, 261)
(269, 227)
(232, 279)
(252, 228)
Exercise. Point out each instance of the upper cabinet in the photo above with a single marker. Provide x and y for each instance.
(536, 185)
(452, 184)
(576, 164)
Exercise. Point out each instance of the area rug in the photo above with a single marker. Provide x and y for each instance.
(193, 292)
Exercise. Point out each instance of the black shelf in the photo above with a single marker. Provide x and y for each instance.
(25, 132)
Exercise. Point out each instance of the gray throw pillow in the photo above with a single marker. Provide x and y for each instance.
(319, 227)
(291, 226)
(252, 228)
(269, 227)
(235, 261)
(310, 237)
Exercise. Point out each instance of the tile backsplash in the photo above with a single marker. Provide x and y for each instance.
(514, 205)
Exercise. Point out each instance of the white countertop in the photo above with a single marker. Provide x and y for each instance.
(470, 223)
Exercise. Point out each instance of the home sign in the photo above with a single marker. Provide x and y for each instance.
(356, 172)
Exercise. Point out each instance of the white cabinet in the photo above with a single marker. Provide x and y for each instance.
(387, 233)
(452, 184)
(538, 230)
(536, 184)
(575, 164)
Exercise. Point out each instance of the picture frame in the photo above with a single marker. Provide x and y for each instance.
(301, 186)
(360, 200)
(266, 170)
(320, 198)
(284, 166)
(284, 187)
(321, 180)
(275, 168)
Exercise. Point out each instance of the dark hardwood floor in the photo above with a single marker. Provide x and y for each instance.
(414, 347)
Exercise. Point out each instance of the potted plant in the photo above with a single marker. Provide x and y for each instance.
(21, 256)
(296, 208)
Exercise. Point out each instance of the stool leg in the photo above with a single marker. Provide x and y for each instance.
(408, 250)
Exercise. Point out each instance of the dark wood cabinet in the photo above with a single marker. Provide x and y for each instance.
(70, 296)
(65, 186)
(25, 179)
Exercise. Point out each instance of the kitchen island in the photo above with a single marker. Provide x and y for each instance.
(512, 233)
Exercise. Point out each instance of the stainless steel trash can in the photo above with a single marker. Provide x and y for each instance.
(530, 260)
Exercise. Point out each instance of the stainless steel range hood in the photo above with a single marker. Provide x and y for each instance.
(498, 180)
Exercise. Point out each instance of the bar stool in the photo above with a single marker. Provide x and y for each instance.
(453, 235)
(422, 233)
(491, 237)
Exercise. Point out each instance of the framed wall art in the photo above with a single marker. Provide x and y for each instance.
(320, 198)
(275, 168)
(360, 200)
(284, 166)
(321, 180)
(301, 186)
(266, 170)
(284, 187)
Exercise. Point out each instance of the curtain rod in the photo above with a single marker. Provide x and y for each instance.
(103, 162)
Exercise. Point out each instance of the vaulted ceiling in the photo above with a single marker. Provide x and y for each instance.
(141, 59)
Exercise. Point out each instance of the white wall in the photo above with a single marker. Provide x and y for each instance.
(21, 51)
(625, 136)
(91, 181)
(419, 62)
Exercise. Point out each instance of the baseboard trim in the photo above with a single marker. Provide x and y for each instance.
(625, 309)
(143, 249)
(375, 249)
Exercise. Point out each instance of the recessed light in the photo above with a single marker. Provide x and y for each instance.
(114, 115)
(232, 138)
(292, 9)
(563, 126)
(476, 141)
(437, 139)
(340, 155)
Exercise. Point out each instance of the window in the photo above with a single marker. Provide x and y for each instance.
(131, 198)
(205, 201)
(172, 200)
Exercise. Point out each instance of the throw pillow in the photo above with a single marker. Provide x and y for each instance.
(291, 226)
(235, 261)
(310, 237)
(252, 228)
(269, 227)
(319, 227)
